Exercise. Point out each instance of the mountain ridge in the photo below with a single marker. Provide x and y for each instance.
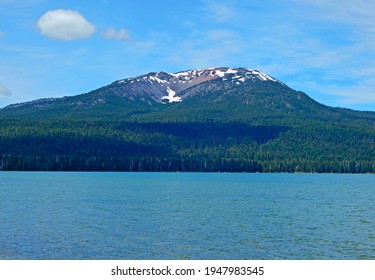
(163, 86)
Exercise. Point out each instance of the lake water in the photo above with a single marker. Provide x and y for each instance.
(186, 216)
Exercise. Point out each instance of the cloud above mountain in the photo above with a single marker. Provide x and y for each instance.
(4, 91)
(65, 25)
(121, 34)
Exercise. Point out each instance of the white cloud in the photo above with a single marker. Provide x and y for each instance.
(65, 25)
(1, 34)
(113, 34)
(4, 91)
(220, 12)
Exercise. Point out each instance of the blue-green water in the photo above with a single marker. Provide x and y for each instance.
(186, 216)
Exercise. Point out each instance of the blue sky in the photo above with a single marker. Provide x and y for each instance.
(325, 48)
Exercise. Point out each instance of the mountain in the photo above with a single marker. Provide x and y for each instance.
(163, 87)
(212, 87)
(212, 119)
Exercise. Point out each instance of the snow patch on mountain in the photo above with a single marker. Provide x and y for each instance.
(231, 71)
(159, 80)
(171, 97)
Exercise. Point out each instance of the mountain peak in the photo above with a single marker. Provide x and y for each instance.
(165, 87)
(223, 72)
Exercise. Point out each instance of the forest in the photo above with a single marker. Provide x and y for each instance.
(79, 145)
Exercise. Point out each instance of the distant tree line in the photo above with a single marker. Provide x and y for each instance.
(272, 146)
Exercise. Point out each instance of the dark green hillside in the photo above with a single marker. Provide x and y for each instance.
(254, 126)
(211, 146)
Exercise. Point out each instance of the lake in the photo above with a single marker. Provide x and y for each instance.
(186, 216)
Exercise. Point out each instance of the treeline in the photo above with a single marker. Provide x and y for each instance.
(150, 164)
(131, 164)
(64, 145)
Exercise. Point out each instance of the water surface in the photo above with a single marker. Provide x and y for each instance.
(186, 216)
